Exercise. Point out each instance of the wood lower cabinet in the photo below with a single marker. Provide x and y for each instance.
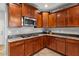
(48, 42)
(69, 47)
(29, 47)
(16, 48)
(45, 39)
(33, 45)
(51, 43)
(72, 47)
(36, 45)
(60, 45)
(41, 42)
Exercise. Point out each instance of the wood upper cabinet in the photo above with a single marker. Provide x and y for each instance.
(73, 16)
(39, 21)
(28, 10)
(72, 47)
(60, 43)
(52, 20)
(14, 12)
(25, 10)
(33, 12)
(61, 18)
(16, 48)
(45, 18)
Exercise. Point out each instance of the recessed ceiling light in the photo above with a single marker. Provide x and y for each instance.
(46, 5)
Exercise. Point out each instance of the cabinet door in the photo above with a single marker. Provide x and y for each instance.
(73, 16)
(39, 21)
(52, 20)
(45, 38)
(49, 41)
(16, 48)
(45, 17)
(25, 10)
(41, 43)
(28, 47)
(36, 45)
(35, 13)
(61, 45)
(32, 12)
(14, 15)
(72, 47)
(61, 18)
(53, 43)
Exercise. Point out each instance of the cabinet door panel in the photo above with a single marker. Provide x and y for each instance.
(52, 20)
(25, 10)
(28, 47)
(14, 15)
(39, 21)
(61, 18)
(51, 42)
(36, 45)
(72, 48)
(16, 48)
(73, 16)
(45, 17)
(61, 45)
(54, 43)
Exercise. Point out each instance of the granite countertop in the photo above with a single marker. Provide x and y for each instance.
(55, 35)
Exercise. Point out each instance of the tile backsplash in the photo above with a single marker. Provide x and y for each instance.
(23, 30)
(73, 30)
(27, 30)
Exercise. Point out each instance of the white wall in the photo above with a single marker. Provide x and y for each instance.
(3, 27)
(2, 19)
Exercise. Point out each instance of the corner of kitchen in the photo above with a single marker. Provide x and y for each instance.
(39, 29)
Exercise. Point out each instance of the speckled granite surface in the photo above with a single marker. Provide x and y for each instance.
(55, 35)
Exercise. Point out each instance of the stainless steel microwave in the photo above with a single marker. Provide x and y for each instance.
(29, 22)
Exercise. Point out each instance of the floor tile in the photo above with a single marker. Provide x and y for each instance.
(47, 52)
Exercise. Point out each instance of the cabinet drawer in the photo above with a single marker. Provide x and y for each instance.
(72, 41)
(60, 39)
(16, 43)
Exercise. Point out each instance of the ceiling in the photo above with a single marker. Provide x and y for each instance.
(51, 6)
(41, 6)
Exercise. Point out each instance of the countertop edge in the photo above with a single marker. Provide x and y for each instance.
(54, 35)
